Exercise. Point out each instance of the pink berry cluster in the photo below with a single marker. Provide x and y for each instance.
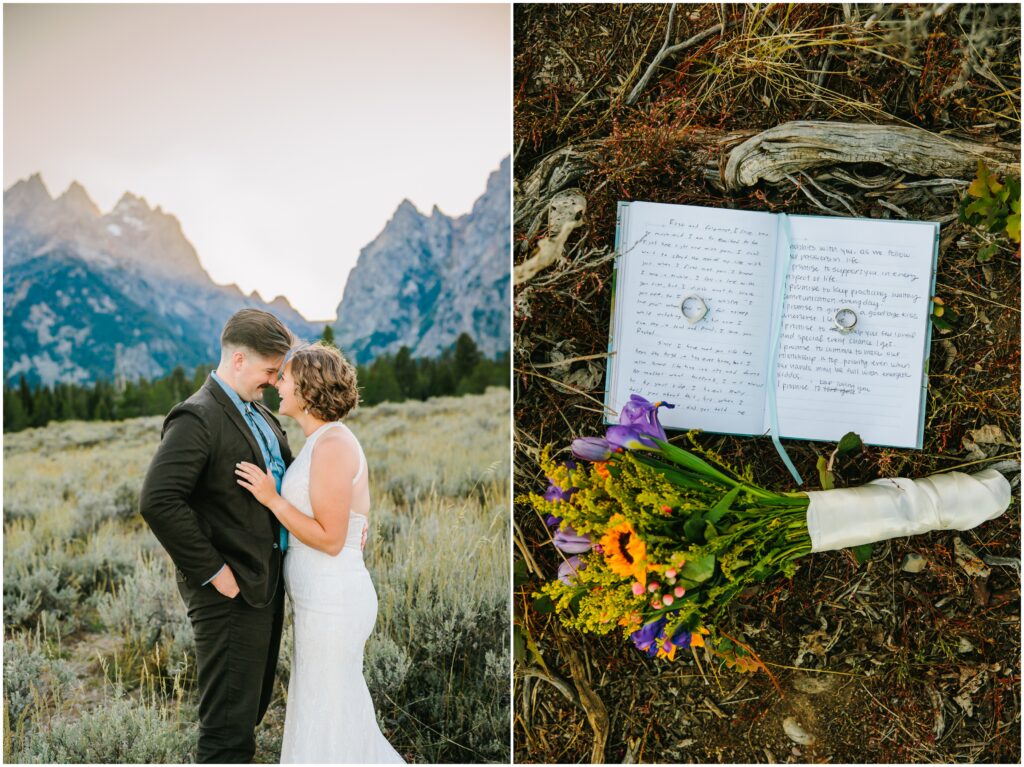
(661, 595)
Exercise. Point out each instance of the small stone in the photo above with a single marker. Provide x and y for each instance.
(989, 434)
(965, 646)
(913, 563)
(796, 733)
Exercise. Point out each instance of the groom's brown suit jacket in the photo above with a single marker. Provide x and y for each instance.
(192, 501)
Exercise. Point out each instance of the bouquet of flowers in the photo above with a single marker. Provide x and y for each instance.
(659, 540)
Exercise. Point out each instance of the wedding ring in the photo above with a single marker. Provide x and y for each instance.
(693, 308)
(844, 320)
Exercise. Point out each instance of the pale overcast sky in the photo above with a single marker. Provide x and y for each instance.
(283, 137)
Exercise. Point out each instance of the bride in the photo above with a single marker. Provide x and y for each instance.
(324, 502)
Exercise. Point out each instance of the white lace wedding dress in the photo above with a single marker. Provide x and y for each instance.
(329, 717)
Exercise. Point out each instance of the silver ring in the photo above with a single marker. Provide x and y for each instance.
(844, 320)
(693, 308)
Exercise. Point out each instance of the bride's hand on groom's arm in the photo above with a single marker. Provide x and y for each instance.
(261, 484)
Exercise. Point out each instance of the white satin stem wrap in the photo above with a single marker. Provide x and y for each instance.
(892, 508)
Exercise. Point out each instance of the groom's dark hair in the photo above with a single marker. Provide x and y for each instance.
(258, 331)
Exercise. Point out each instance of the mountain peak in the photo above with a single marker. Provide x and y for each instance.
(31, 191)
(426, 279)
(130, 201)
(406, 206)
(77, 200)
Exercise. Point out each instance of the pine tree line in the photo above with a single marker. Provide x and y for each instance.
(460, 369)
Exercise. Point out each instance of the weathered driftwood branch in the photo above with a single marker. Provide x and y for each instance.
(565, 213)
(556, 172)
(812, 155)
(799, 146)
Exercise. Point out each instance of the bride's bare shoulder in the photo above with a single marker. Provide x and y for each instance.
(337, 442)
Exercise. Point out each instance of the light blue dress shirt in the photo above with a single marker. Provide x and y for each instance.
(266, 439)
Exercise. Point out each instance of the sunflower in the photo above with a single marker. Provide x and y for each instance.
(624, 551)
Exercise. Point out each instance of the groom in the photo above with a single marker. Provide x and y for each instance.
(227, 548)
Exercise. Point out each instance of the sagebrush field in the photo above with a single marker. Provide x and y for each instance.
(98, 653)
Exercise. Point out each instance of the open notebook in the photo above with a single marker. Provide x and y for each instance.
(772, 303)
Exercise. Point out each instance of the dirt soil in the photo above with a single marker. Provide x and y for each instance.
(869, 662)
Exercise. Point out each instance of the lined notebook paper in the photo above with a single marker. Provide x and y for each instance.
(756, 283)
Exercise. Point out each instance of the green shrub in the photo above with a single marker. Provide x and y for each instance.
(122, 731)
(32, 679)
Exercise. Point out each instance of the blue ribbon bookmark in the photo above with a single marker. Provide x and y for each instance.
(773, 412)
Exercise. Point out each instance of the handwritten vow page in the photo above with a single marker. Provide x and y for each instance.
(870, 380)
(715, 371)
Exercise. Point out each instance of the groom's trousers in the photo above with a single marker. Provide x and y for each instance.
(236, 652)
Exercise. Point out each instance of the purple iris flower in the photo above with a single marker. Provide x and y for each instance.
(680, 640)
(568, 569)
(643, 416)
(571, 542)
(592, 449)
(629, 437)
(555, 493)
(646, 638)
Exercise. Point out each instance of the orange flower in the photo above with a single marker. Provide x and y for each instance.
(697, 639)
(602, 469)
(631, 621)
(625, 552)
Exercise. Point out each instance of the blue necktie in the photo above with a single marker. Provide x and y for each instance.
(250, 413)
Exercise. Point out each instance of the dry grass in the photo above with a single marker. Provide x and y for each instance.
(879, 664)
(95, 626)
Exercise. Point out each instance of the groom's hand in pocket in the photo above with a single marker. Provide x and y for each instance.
(225, 583)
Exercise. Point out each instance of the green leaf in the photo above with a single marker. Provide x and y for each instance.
(986, 253)
(543, 604)
(674, 475)
(723, 505)
(941, 324)
(850, 443)
(518, 644)
(977, 189)
(693, 463)
(520, 577)
(710, 532)
(863, 552)
(574, 603)
(1013, 224)
(698, 570)
(693, 528)
(978, 207)
(824, 475)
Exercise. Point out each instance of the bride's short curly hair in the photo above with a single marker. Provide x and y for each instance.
(325, 381)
